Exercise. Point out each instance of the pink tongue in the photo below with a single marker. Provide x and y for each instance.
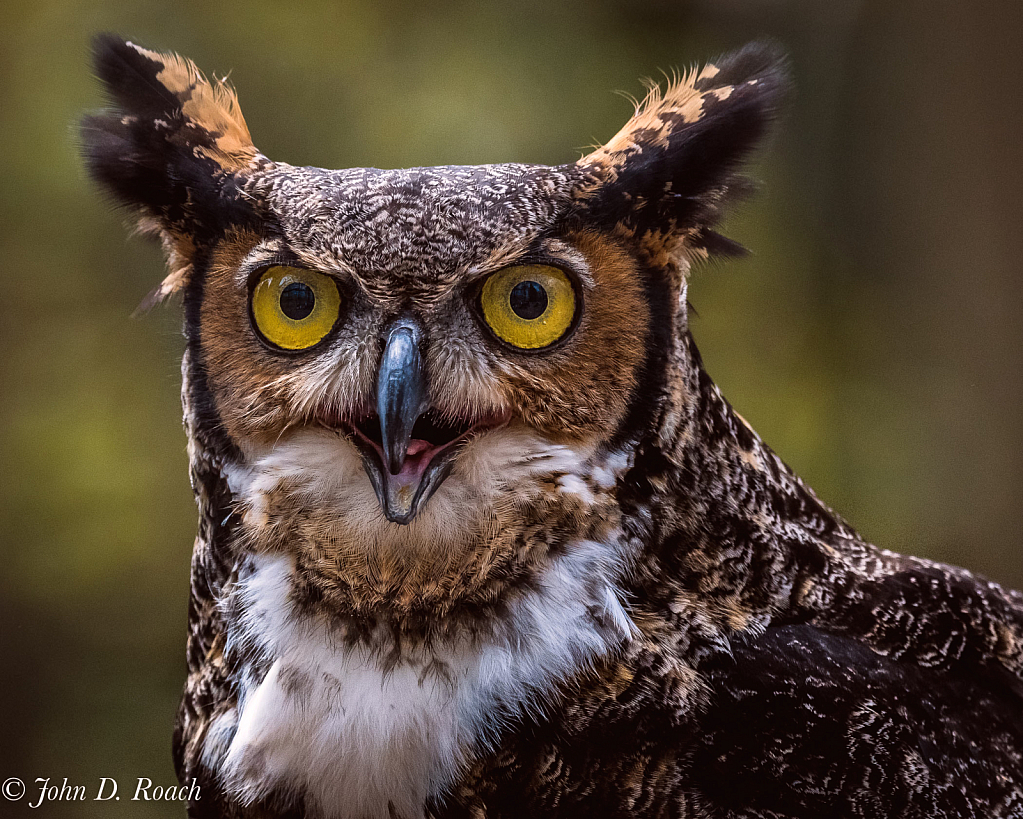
(417, 458)
(415, 446)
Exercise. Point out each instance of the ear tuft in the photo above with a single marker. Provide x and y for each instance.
(171, 137)
(671, 169)
(174, 146)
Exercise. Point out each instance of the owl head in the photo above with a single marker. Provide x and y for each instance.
(418, 361)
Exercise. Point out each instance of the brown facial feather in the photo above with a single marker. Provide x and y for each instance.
(584, 387)
(578, 390)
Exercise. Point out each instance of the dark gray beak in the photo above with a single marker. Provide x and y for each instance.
(402, 398)
(401, 392)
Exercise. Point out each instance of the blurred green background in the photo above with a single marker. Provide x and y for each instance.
(873, 337)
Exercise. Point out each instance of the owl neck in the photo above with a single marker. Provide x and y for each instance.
(730, 534)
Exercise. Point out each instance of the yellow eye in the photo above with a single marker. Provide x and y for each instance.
(529, 306)
(294, 308)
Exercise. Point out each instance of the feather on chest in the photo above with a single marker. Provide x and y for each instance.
(354, 735)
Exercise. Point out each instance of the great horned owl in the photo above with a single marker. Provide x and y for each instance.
(478, 535)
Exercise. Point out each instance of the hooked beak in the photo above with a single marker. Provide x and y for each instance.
(408, 450)
(401, 393)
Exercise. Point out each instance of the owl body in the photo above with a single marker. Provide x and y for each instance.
(478, 535)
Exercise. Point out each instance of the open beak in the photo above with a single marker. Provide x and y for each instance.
(407, 448)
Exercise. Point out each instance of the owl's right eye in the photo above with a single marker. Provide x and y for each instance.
(293, 308)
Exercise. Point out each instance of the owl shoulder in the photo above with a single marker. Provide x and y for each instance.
(808, 722)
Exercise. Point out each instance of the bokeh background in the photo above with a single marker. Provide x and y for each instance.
(873, 337)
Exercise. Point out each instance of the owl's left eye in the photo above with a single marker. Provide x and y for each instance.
(293, 308)
(529, 306)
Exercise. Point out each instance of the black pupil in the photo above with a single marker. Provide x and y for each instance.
(528, 300)
(297, 301)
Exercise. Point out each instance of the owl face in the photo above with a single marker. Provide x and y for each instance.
(416, 313)
(424, 364)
